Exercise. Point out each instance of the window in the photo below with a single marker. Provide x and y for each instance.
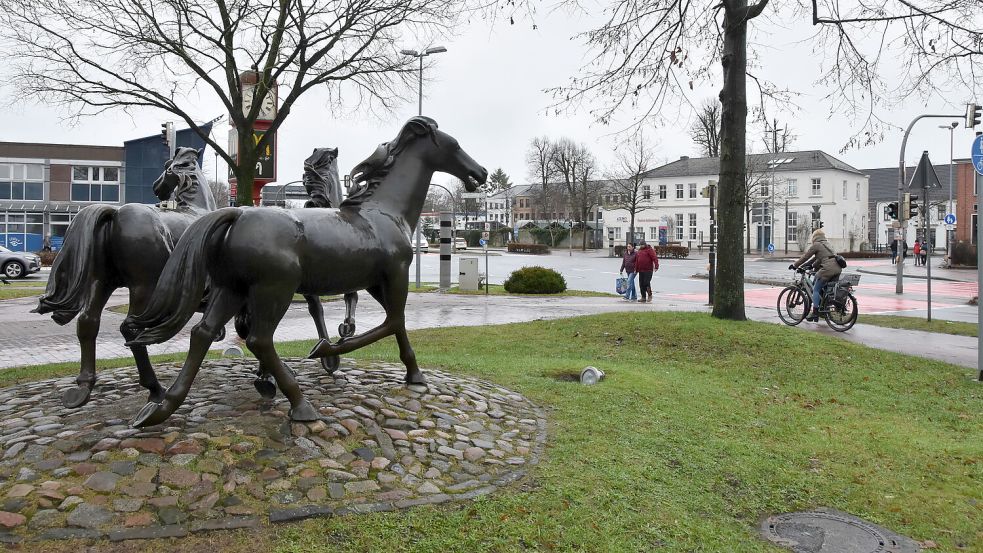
(646, 192)
(765, 189)
(793, 223)
(858, 191)
(21, 232)
(817, 188)
(692, 225)
(654, 234)
(844, 190)
(679, 191)
(793, 188)
(941, 212)
(692, 190)
(20, 181)
(95, 184)
(662, 191)
(617, 232)
(679, 220)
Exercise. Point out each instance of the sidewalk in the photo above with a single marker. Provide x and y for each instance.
(26, 338)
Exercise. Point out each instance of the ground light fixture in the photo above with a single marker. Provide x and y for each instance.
(591, 375)
(232, 351)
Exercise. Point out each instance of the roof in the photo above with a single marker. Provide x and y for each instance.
(807, 160)
(512, 192)
(883, 182)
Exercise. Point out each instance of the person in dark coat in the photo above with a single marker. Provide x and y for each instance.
(821, 257)
(646, 263)
(628, 265)
(894, 251)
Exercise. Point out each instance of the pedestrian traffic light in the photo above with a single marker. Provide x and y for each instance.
(892, 210)
(913, 208)
(163, 133)
(973, 112)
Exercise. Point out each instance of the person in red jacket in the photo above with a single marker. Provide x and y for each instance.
(646, 263)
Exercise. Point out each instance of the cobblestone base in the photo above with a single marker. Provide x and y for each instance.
(230, 459)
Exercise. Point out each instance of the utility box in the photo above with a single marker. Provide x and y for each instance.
(467, 278)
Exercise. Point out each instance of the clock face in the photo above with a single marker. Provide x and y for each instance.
(267, 110)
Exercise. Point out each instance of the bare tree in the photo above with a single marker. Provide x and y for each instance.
(220, 191)
(93, 56)
(777, 139)
(705, 131)
(626, 181)
(585, 192)
(648, 53)
(547, 195)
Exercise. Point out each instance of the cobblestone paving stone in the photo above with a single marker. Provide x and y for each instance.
(230, 459)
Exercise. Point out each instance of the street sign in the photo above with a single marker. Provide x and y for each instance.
(950, 219)
(771, 248)
(483, 242)
(977, 154)
(485, 235)
(487, 226)
(925, 175)
(950, 227)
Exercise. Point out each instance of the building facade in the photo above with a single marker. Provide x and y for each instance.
(785, 189)
(968, 184)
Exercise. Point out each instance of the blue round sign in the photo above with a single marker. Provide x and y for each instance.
(950, 219)
(977, 154)
(771, 247)
(482, 242)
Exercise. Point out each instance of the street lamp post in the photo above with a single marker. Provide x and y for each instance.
(948, 234)
(421, 55)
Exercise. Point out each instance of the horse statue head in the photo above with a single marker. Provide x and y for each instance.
(321, 178)
(184, 181)
(443, 154)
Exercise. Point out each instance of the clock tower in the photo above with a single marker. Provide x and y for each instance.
(266, 164)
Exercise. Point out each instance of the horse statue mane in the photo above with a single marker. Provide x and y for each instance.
(321, 178)
(367, 176)
(190, 176)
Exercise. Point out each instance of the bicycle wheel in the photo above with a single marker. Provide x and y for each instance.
(793, 305)
(842, 315)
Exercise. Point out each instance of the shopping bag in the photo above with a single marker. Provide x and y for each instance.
(621, 285)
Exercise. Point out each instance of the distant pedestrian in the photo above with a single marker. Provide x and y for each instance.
(646, 263)
(918, 253)
(905, 249)
(628, 265)
(894, 251)
(924, 253)
(46, 245)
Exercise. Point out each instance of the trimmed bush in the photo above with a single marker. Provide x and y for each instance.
(535, 280)
(866, 255)
(963, 253)
(515, 247)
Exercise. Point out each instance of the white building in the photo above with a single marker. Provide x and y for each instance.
(785, 186)
(937, 228)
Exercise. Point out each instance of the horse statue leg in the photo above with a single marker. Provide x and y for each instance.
(347, 328)
(87, 330)
(263, 381)
(220, 309)
(139, 296)
(329, 363)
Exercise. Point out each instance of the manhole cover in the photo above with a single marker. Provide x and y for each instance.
(828, 531)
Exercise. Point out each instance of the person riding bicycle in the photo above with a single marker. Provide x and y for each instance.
(822, 258)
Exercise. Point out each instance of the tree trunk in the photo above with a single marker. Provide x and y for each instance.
(728, 297)
(246, 158)
(747, 225)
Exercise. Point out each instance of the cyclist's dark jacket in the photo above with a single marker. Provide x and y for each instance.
(825, 259)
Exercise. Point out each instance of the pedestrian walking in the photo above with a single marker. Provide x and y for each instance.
(646, 263)
(628, 266)
(924, 253)
(894, 251)
(918, 253)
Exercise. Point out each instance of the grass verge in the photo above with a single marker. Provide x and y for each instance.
(499, 290)
(700, 428)
(917, 323)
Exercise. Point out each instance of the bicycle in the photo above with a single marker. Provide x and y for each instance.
(837, 305)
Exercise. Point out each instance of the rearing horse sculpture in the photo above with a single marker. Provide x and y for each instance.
(108, 247)
(258, 258)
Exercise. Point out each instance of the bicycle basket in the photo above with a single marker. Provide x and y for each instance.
(845, 285)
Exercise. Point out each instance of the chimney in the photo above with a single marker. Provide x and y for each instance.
(683, 158)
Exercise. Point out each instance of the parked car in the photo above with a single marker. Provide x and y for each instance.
(460, 244)
(422, 245)
(18, 264)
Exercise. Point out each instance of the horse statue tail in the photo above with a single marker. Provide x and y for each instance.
(181, 285)
(82, 252)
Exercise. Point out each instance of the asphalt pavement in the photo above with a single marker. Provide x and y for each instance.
(26, 338)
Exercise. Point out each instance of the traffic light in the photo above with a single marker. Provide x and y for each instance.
(164, 133)
(973, 112)
(909, 207)
(892, 210)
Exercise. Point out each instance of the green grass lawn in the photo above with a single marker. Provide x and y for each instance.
(499, 290)
(19, 290)
(700, 428)
(918, 323)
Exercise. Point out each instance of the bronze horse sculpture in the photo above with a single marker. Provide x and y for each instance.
(257, 259)
(108, 247)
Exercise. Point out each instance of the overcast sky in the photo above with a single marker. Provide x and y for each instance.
(487, 91)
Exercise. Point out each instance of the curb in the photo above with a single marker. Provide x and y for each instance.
(751, 280)
(869, 272)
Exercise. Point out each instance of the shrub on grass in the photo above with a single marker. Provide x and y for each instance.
(535, 280)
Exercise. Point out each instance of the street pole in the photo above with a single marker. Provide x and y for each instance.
(899, 285)
(713, 242)
(786, 227)
(926, 237)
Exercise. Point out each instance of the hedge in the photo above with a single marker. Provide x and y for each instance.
(516, 247)
(663, 252)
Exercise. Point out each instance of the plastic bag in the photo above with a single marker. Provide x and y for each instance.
(621, 285)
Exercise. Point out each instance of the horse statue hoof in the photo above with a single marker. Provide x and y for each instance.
(321, 349)
(416, 378)
(220, 337)
(304, 412)
(152, 413)
(346, 329)
(265, 387)
(330, 363)
(76, 397)
(156, 395)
